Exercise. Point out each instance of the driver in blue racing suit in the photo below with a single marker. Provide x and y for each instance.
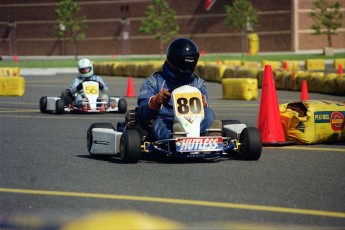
(154, 100)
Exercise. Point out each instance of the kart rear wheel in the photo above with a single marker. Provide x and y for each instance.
(251, 145)
(59, 106)
(43, 104)
(89, 136)
(122, 105)
(130, 146)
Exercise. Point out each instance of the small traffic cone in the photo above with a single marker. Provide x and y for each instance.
(15, 58)
(270, 124)
(304, 91)
(285, 65)
(202, 53)
(340, 69)
(130, 88)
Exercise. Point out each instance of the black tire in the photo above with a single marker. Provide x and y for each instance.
(130, 146)
(43, 104)
(251, 145)
(122, 105)
(59, 106)
(229, 122)
(89, 136)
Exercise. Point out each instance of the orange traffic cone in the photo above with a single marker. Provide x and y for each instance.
(285, 65)
(130, 88)
(270, 124)
(304, 91)
(340, 69)
(15, 58)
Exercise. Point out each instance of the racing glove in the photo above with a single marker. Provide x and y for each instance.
(204, 102)
(101, 86)
(159, 99)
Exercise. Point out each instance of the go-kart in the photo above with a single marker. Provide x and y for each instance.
(66, 103)
(131, 139)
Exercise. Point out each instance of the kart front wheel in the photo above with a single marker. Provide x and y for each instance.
(130, 146)
(122, 105)
(251, 145)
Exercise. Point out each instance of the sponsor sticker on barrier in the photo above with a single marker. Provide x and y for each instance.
(336, 119)
(199, 144)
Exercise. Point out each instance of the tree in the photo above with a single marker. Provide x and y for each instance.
(241, 16)
(160, 22)
(327, 18)
(70, 25)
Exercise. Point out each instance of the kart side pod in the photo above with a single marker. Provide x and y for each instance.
(105, 141)
(233, 130)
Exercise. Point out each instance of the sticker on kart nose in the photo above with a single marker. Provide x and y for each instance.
(188, 104)
(199, 144)
(91, 89)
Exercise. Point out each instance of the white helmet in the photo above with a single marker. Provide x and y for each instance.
(85, 67)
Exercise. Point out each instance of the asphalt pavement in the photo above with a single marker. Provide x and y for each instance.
(48, 178)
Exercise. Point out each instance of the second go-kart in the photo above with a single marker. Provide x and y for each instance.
(66, 102)
(130, 139)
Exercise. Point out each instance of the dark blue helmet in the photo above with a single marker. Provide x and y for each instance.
(183, 55)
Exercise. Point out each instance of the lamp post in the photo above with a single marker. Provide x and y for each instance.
(62, 32)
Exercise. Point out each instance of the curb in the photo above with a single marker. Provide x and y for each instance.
(46, 71)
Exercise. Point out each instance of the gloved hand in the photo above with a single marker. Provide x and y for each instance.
(101, 86)
(204, 102)
(161, 98)
(80, 86)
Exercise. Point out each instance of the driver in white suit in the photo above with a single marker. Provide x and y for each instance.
(86, 73)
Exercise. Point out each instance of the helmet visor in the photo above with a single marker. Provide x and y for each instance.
(186, 62)
(85, 70)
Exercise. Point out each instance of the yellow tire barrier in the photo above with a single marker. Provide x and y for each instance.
(212, 73)
(273, 64)
(12, 86)
(330, 83)
(232, 63)
(240, 88)
(292, 65)
(253, 64)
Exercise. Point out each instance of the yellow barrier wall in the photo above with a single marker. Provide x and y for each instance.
(240, 88)
(9, 72)
(315, 64)
(339, 61)
(313, 122)
(12, 86)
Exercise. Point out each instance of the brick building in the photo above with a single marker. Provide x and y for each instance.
(27, 27)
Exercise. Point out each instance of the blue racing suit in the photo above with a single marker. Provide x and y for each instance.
(164, 117)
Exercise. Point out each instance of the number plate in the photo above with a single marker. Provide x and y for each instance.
(199, 144)
(188, 104)
(90, 88)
